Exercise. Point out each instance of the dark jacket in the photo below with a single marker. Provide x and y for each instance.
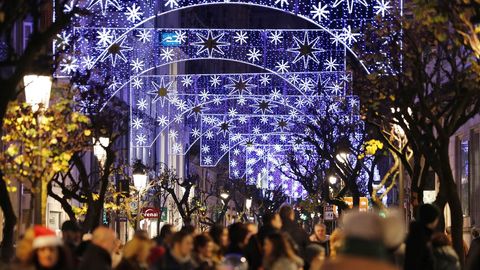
(446, 258)
(96, 258)
(418, 251)
(473, 257)
(168, 262)
(254, 250)
(297, 234)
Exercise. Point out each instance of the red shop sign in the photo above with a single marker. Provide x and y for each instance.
(151, 212)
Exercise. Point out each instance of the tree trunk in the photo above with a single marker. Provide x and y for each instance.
(456, 219)
(6, 247)
(66, 206)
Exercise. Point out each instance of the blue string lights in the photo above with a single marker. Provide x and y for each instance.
(250, 117)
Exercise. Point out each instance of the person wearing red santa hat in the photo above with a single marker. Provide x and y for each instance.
(48, 250)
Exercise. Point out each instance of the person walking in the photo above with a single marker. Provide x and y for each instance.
(203, 258)
(237, 236)
(98, 254)
(293, 230)
(363, 245)
(418, 250)
(445, 256)
(178, 257)
(279, 254)
(136, 252)
(272, 223)
(319, 236)
(473, 257)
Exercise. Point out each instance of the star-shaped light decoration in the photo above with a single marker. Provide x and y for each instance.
(263, 105)
(225, 126)
(160, 91)
(196, 109)
(350, 4)
(116, 50)
(281, 124)
(240, 86)
(104, 4)
(306, 49)
(210, 43)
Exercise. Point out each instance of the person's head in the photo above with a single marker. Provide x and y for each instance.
(165, 235)
(219, 235)
(320, 231)
(273, 220)
(24, 250)
(252, 228)
(182, 244)
(46, 246)
(71, 232)
(138, 248)
(286, 213)
(314, 254)
(276, 246)
(203, 245)
(105, 238)
(237, 234)
(428, 214)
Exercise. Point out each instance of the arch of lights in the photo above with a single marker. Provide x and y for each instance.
(248, 117)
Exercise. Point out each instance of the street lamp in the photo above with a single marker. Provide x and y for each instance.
(343, 150)
(332, 179)
(37, 95)
(99, 148)
(224, 195)
(139, 175)
(37, 90)
(248, 203)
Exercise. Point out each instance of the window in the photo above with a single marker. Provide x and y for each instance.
(463, 181)
(27, 31)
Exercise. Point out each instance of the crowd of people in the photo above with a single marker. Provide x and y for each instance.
(364, 240)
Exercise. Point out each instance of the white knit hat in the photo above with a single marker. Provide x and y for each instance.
(44, 237)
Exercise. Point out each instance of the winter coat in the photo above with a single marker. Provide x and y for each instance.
(284, 263)
(96, 258)
(418, 251)
(446, 258)
(473, 257)
(297, 234)
(349, 262)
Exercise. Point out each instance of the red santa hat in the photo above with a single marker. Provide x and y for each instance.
(44, 237)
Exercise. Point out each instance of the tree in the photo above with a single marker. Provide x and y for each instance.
(15, 65)
(81, 183)
(434, 90)
(335, 144)
(40, 144)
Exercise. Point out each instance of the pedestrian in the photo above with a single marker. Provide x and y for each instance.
(319, 236)
(72, 237)
(219, 235)
(445, 256)
(473, 257)
(237, 236)
(418, 250)
(254, 252)
(336, 242)
(279, 254)
(363, 244)
(48, 250)
(98, 254)
(314, 256)
(203, 258)
(166, 233)
(178, 257)
(24, 251)
(136, 252)
(448, 232)
(294, 230)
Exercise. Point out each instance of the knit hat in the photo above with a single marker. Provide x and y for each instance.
(427, 213)
(44, 237)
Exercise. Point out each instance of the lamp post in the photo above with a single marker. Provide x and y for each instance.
(37, 95)
(99, 149)
(139, 175)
